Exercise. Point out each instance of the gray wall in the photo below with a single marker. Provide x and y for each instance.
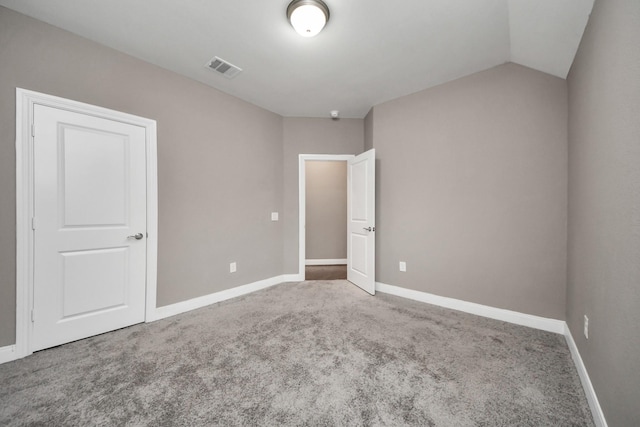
(311, 136)
(604, 206)
(326, 209)
(368, 131)
(472, 190)
(220, 160)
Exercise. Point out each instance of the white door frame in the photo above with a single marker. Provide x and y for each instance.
(25, 101)
(302, 199)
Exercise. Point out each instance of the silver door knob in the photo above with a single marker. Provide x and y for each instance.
(136, 236)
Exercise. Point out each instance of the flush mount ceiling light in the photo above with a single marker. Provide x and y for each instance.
(308, 17)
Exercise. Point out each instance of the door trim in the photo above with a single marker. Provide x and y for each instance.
(25, 101)
(302, 199)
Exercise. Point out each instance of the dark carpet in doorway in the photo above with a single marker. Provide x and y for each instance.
(326, 272)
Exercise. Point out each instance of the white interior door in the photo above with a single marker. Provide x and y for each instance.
(90, 226)
(361, 221)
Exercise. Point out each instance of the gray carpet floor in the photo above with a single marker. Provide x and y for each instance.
(309, 353)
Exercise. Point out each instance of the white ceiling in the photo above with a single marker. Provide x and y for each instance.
(371, 51)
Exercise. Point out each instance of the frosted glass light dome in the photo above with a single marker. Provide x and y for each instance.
(308, 17)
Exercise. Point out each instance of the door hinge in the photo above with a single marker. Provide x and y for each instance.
(33, 223)
(33, 315)
(33, 130)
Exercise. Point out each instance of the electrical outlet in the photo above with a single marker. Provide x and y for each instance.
(232, 267)
(586, 327)
(403, 266)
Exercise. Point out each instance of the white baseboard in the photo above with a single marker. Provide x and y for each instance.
(203, 301)
(340, 261)
(594, 405)
(8, 354)
(293, 278)
(537, 322)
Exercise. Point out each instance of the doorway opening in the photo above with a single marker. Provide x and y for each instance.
(324, 199)
(360, 217)
(326, 220)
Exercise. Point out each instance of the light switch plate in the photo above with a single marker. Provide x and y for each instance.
(274, 216)
(403, 266)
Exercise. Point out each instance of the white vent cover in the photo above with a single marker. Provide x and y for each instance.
(223, 67)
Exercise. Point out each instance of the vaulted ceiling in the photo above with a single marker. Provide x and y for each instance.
(371, 51)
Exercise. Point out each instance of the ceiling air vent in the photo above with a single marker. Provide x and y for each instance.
(223, 67)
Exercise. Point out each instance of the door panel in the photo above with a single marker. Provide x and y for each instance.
(89, 197)
(359, 253)
(361, 241)
(99, 167)
(81, 296)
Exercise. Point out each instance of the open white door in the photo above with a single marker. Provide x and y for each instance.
(361, 221)
(90, 226)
